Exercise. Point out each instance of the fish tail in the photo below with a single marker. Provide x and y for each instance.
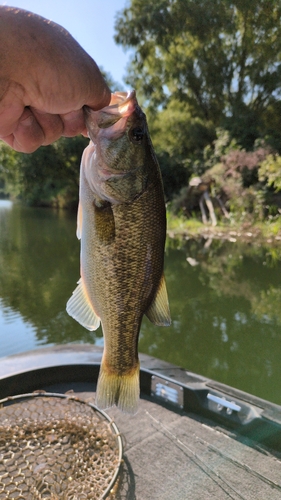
(120, 390)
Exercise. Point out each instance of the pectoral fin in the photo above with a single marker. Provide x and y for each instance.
(104, 224)
(80, 308)
(159, 311)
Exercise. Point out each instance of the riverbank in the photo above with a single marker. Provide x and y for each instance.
(261, 232)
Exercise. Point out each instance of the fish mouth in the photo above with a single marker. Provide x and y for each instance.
(111, 121)
(122, 103)
(116, 114)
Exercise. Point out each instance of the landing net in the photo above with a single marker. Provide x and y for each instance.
(56, 447)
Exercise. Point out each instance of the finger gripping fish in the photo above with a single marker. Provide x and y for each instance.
(122, 226)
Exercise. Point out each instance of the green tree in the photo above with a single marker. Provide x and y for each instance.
(220, 58)
(179, 141)
(270, 171)
(49, 176)
(10, 175)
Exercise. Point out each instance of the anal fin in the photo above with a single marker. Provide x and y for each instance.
(159, 311)
(80, 308)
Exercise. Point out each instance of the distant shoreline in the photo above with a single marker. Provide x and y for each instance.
(269, 234)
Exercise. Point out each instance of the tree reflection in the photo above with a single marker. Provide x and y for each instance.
(226, 315)
(39, 262)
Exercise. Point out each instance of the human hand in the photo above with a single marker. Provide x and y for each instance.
(45, 80)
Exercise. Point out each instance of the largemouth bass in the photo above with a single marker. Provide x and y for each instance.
(122, 226)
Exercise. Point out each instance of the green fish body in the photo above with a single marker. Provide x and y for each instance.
(122, 227)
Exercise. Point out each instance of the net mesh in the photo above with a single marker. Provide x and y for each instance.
(57, 448)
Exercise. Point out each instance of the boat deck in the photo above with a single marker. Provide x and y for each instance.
(170, 453)
(179, 456)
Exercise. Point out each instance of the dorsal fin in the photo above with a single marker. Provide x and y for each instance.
(159, 311)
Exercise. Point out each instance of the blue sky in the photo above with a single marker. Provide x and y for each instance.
(90, 22)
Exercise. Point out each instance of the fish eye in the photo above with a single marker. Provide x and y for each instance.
(136, 134)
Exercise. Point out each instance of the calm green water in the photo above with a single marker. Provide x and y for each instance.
(226, 309)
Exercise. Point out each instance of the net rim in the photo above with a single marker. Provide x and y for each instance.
(72, 397)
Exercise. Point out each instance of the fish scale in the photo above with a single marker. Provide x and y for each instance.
(135, 288)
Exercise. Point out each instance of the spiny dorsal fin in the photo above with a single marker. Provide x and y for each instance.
(80, 308)
(159, 311)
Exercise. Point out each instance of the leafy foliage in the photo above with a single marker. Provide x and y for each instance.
(174, 175)
(234, 179)
(209, 75)
(49, 176)
(10, 176)
(270, 171)
(220, 58)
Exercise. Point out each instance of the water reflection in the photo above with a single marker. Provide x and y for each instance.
(225, 300)
(226, 315)
(5, 204)
(39, 266)
(19, 335)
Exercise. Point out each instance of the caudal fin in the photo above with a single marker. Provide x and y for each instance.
(120, 390)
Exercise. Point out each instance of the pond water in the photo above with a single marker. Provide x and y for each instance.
(225, 300)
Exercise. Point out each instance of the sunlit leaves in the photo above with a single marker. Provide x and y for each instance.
(270, 171)
(215, 55)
